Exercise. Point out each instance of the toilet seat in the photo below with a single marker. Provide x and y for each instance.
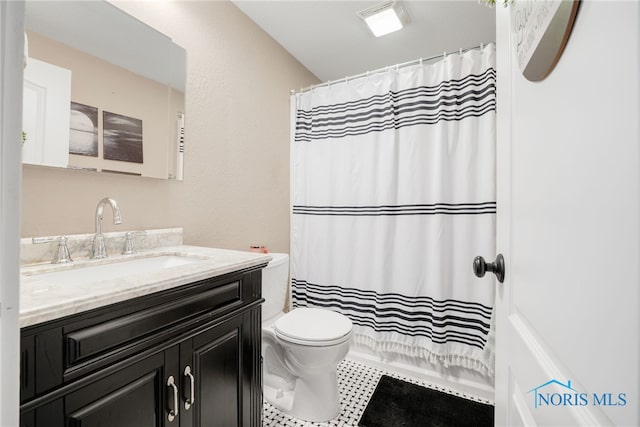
(313, 327)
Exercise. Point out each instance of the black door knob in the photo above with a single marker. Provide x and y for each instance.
(480, 267)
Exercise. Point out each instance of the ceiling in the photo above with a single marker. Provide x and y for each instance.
(329, 39)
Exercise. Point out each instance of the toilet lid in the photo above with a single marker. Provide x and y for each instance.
(313, 326)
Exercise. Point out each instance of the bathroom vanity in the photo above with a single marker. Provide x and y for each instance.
(175, 346)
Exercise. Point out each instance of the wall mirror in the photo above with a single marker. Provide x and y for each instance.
(103, 91)
(541, 30)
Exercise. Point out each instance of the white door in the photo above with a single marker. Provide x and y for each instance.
(46, 105)
(568, 226)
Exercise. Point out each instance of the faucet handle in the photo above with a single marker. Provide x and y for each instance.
(62, 255)
(129, 247)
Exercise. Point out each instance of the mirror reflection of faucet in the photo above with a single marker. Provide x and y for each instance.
(99, 248)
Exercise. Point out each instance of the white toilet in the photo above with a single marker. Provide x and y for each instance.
(300, 350)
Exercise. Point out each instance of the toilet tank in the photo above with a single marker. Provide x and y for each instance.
(275, 281)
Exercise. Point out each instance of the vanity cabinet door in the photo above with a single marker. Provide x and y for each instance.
(132, 397)
(213, 359)
(49, 415)
(220, 366)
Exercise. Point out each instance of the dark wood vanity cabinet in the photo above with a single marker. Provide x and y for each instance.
(185, 357)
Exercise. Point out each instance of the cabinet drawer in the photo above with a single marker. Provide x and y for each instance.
(89, 342)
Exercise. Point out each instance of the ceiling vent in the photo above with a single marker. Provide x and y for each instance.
(384, 18)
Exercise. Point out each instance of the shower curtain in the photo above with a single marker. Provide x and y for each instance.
(393, 193)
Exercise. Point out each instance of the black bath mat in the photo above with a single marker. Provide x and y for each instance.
(397, 403)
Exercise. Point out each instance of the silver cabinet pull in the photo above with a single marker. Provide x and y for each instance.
(192, 397)
(173, 413)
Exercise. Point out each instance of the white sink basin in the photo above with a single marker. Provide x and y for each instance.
(85, 274)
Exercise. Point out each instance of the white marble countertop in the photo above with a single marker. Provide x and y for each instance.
(42, 301)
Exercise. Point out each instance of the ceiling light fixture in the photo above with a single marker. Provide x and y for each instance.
(384, 18)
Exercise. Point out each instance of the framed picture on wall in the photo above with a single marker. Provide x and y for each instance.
(122, 138)
(83, 132)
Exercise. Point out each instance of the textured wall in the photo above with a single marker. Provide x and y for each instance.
(236, 183)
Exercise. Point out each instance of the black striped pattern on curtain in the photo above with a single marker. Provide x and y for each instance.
(451, 100)
(441, 321)
(398, 210)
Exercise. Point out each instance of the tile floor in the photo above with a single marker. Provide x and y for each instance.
(356, 382)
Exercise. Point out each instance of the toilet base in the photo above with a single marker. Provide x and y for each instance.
(314, 398)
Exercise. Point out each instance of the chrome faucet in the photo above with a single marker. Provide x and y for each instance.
(99, 248)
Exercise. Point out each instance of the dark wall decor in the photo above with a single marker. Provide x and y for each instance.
(122, 137)
(83, 133)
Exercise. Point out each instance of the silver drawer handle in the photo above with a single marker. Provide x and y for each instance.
(173, 413)
(192, 397)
